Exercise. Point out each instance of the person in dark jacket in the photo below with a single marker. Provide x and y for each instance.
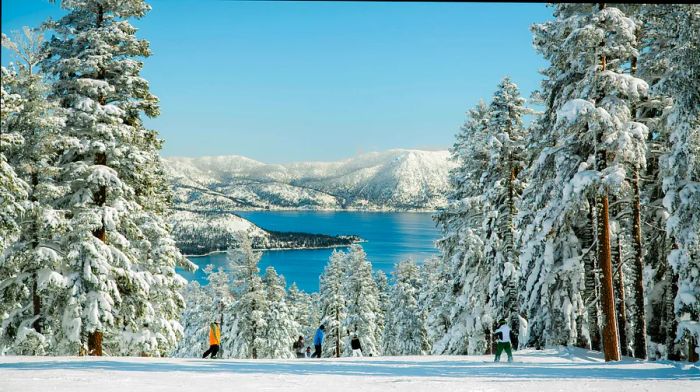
(318, 341)
(356, 347)
(298, 347)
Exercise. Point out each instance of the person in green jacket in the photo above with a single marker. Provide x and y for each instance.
(502, 336)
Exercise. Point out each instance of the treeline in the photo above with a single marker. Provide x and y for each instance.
(260, 319)
(87, 262)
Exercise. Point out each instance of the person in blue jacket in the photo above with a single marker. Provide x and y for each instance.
(318, 342)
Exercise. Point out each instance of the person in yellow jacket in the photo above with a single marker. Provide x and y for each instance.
(214, 339)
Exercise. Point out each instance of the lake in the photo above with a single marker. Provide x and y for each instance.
(390, 237)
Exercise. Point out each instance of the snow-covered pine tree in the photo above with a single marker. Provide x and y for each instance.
(362, 302)
(304, 312)
(592, 139)
(243, 332)
(432, 296)
(120, 255)
(409, 335)
(13, 195)
(383, 291)
(502, 185)
(680, 169)
(458, 325)
(333, 304)
(32, 266)
(281, 329)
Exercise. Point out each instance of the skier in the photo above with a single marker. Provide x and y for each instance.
(502, 336)
(298, 347)
(356, 347)
(214, 340)
(308, 352)
(318, 341)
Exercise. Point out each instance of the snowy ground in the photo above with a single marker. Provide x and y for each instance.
(540, 371)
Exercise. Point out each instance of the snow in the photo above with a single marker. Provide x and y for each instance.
(403, 179)
(541, 371)
(573, 109)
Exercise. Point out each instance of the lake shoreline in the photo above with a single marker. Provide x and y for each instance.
(281, 249)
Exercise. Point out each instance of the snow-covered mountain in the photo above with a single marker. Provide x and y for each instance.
(394, 179)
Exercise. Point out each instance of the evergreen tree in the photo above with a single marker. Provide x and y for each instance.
(502, 185)
(362, 301)
(462, 314)
(383, 291)
(333, 305)
(409, 335)
(593, 139)
(245, 323)
(680, 168)
(281, 328)
(120, 256)
(32, 269)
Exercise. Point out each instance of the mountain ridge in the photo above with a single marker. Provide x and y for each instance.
(397, 179)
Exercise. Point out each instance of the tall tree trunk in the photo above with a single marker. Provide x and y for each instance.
(36, 299)
(672, 352)
(100, 198)
(639, 313)
(611, 348)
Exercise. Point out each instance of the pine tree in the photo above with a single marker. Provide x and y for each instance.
(13, 196)
(120, 256)
(409, 335)
(680, 169)
(33, 265)
(281, 328)
(383, 292)
(243, 332)
(502, 185)
(362, 302)
(459, 321)
(333, 305)
(593, 140)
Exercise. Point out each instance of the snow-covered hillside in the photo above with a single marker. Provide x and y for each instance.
(540, 371)
(394, 179)
(198, 233)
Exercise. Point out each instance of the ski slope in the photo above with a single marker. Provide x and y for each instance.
(538, 371)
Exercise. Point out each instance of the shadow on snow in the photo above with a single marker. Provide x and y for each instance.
(458, 368)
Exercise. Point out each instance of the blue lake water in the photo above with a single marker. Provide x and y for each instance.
(390, 237)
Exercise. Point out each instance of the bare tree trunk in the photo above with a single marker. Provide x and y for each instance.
(95, 343)
(611, 348)
(671, 321)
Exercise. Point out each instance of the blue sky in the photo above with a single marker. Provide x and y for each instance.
(287, 81)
